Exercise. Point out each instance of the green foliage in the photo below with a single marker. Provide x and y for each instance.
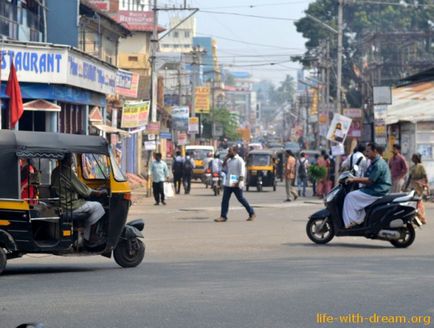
(225, 118)
(317, 172)
(284, 93)
(395, 55)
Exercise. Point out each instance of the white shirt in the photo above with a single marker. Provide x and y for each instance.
(363, 165)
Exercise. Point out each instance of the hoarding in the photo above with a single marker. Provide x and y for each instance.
(339, 128)
(201, 100)
(135, 114)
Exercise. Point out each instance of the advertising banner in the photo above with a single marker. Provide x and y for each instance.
(182, 138)
(180, 118)
(153, 128)
(127, 83)
(135, 114)
(201, 100)
(193, 125)
(339, 128)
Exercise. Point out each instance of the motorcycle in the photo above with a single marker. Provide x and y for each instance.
(207, 178)
(391, 218)
(216, 184)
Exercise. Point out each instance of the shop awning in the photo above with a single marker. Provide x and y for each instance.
(41, 105)
(111, 129)
(412, 103)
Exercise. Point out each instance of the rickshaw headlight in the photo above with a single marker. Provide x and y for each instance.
(254, 172)
(264, 173)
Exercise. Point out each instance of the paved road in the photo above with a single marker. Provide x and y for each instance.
(198, 273)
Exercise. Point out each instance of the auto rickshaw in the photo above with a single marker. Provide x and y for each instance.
(39, 224)
(261, 170)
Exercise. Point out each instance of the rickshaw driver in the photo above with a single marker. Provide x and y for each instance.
(72, 193)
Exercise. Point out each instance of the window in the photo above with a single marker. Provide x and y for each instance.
(187, 34)
(133, 58)
(95, 167)
(176, 34)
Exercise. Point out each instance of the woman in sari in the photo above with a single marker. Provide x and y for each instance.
(418, 181)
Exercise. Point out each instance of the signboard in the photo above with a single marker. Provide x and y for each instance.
(218, 130)
(182, 138)
(380, 112)
(180, 118)
(135, 114)
(127, 83)
(193, 125)
(150, 145)
(201, 100)
(339, 128)
(165, 135)
(314, 102)
(153, 128)
(353, 112)
(135, 20)
(355, 129)
(382, 95)
(103, 5)
(58, 65)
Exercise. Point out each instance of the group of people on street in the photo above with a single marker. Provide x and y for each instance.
(182, 169)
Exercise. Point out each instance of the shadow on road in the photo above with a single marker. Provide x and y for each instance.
(338, 245)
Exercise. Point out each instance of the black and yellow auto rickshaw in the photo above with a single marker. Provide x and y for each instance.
(38, 224)
(260, 170)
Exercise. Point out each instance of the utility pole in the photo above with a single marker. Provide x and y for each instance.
(339, 75)
(154, 74)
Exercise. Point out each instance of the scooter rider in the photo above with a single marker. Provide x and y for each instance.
(216, 164)
(377, 183)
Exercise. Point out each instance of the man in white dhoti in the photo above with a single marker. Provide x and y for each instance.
(377, 181)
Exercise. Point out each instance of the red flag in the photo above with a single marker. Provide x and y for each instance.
(15, 101)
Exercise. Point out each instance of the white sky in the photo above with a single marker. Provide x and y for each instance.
(255, 41)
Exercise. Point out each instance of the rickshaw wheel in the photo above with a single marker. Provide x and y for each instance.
(129, 256)
(3, 260)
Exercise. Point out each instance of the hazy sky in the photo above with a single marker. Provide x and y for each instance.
(255, 41)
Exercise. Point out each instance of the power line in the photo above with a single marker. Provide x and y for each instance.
(259, 5)
(246, 42)
(248, 15)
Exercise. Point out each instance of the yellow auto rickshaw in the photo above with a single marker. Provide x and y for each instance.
(37, 222)
(261, 170)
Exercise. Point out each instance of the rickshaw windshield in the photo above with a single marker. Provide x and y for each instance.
(95, 167)
(201, 153)
(117, 172)
(259, 160)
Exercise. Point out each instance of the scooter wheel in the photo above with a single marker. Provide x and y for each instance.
(3, 260)
(408, 234)
(129, 254)
(320, 231)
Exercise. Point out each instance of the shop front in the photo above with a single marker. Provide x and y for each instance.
(61, 84)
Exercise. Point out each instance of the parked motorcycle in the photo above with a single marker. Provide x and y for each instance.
(391, 218)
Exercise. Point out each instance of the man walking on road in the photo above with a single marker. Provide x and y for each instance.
(187, 173)
(399, 168)
(177, 170)
(159, 175)
(302, 165)
(235, 173)
(290, 176)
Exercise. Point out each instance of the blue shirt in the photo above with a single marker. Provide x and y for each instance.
(159, 171)
(379, 175)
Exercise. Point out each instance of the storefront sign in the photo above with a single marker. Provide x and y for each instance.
(193, 125)
(57, 65)
(153, 128)
(135, 20)
(103, 5)
(339, 128)
(201, 100)
(353, 112)
(135, 114)
(180, 118)
(314, 102)
(127, 83)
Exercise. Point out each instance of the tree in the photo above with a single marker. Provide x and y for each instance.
(224, 117)
(386, 40)
(284, 93)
